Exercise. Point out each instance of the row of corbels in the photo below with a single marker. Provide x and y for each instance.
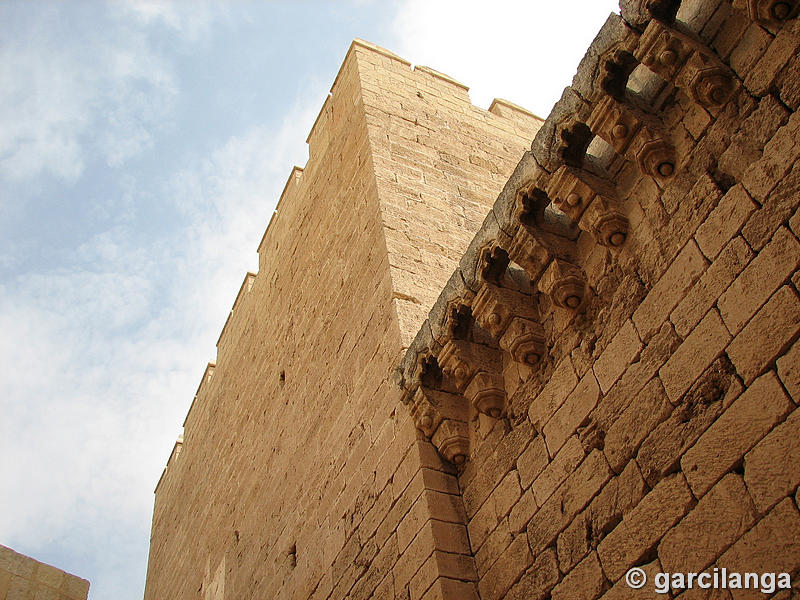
(488, 314)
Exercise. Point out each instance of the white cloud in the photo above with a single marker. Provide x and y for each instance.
(63, 104)
(100, 360)
(523, 51)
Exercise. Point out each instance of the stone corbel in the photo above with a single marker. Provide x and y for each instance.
(772, 10)
(533, 249)
(616, 123)
(689, 65)
(587, 200)
(663, 50)
(512, 318)
(442, 418)
(656, 157)
(476, 371)
(606, 223)
(524, 340)
(565, 284)
(495, 307)
(709, 83)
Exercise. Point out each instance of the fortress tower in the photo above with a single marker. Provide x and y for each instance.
(492, 358)
(298, 463)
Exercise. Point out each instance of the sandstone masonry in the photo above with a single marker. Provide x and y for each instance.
(23, 578)
(599, 370)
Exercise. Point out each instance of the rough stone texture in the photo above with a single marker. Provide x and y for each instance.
(637, 407)
(402, 170)
(23, 578)
(720, 518)
(643, 526)
(739, 428)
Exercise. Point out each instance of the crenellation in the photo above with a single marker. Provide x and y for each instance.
(479, 371)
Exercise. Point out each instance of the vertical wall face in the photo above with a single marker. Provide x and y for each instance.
(297, 476)
(440, 163)
(24, 577)
(659, 428)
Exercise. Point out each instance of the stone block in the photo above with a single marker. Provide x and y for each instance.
(641, 528)
(585, 582)
(779, 206)
(694, 355)
(789, 371)
(725, 221)
(558, 387)
(623, 438)
(561, 467)
(617, 356)
(719, 519)
(702, 296)
(567, 501)
(532, 461)
(670, 289)
(503, 573)
(751, 416)
(564, 423)
(538, 580)
(589, 528)
(749, 50)
(772, 546)
(782, 48)
(759, 280)
(772, 467)
(767, 335)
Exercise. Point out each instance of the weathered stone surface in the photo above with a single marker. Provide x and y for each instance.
(571, 413)
(538, 580)
(739, 428)
(702, 296)
(772, 546)
(720, 518)
(641, 528)
(623, 438)
(789, 371)
(669, 290)
(772, 468)
(585, 582)
(725, 221)
(698, 350)
(767, 334)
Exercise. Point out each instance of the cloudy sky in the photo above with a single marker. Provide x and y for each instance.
(143, 146)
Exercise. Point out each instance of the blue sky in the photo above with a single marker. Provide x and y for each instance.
(143, 146)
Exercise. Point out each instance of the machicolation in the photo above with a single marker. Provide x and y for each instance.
(492, 357)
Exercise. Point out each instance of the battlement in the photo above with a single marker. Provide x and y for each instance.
(398, 155)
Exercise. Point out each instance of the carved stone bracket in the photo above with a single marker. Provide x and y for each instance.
(662, 50)
(615, 122)
(772, 10)
(565, 284)
(657, 158)
(494, 308)
(486, 392)
(476, 370)
(710, 86)
(533, 250)
(607, 224)
(524, 340)
(688, 64)
(442, 418)
(587, 200)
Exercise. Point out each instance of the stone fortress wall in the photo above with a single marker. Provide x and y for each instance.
(23, 578)
(604, 376)
(615, 361)
(298, 462)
